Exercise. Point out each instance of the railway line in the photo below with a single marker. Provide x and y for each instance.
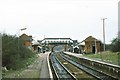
(74, 69)
(60, 71)
(99, 75)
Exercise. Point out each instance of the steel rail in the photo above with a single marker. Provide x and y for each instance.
(60, 71)
(91, 71)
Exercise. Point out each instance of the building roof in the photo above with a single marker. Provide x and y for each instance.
(90, 38)
(36, 43)
(81, 43)
(26, 37)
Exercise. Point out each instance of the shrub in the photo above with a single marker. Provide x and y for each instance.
(13, 52)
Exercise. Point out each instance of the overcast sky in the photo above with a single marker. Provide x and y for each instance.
(76, 19)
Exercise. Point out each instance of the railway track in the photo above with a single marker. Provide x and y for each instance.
(65, 67)
(97, 74)
(60, 71)
(78, 73)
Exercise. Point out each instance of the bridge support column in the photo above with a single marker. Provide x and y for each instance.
(65, 47)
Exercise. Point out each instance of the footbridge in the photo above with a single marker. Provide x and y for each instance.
(51, 43)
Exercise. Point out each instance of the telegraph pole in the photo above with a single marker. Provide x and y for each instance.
(104, 33)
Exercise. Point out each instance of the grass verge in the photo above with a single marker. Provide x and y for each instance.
(23, 65)
(108, 56)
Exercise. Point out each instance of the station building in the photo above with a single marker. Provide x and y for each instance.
(92, 45)
(27, 40)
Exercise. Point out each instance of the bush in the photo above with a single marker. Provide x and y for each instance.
(115, 45)
(13, 52)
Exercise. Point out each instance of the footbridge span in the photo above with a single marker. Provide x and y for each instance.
(51, 43)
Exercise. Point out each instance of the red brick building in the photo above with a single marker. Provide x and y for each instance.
(27, 40)
(92, 45)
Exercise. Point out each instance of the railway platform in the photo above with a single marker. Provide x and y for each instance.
(81, 56)
(39, 69)
(106, 68)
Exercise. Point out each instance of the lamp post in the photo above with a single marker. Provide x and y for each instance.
(19, 35)
(104, 33)
(22, 30)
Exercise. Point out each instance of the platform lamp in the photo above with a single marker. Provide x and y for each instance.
(19, 35)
